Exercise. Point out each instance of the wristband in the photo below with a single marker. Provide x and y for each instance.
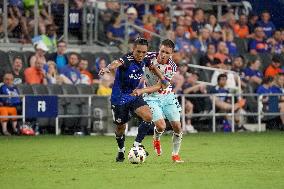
(165, 82)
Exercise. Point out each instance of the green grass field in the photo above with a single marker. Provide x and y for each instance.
(241, 160)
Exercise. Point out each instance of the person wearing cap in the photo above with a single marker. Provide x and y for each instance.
(132, 19)
(41, 49)
(274, 68)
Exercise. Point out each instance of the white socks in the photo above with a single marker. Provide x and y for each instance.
(177, 138)
(157, 134)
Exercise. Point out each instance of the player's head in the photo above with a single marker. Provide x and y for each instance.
(140, 49)
(166, 51)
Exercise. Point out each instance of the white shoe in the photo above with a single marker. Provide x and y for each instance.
(190, 129)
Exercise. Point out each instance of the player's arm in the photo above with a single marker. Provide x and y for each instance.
(111, 67)
(151, 89)
(164, 82)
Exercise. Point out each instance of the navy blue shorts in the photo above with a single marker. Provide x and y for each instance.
(122, 113)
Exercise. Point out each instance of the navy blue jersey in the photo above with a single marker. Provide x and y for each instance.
(12, 91)
(127, 78)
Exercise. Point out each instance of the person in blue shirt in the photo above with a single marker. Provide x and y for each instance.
(267, 26)
(128, 71)
(265, 89)
(252, 73)
(8, 105)
(276, 103)
(59, 57)
(69, 73)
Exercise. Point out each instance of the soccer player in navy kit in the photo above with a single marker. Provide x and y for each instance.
(128, 72)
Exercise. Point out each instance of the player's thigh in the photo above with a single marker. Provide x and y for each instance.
(156, 109)
(142, 109)
(120, 114)
(171, 108)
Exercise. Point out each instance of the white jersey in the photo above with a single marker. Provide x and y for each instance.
(168, 70)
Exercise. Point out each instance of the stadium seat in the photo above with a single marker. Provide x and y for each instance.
(25, 89)
(205, 75)
(195, 58)
(84, 90)
(101, 112)
(95, 87)
(27, 56)
(72, 106)
(5, 65)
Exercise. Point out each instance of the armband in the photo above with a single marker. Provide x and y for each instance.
(165, 82)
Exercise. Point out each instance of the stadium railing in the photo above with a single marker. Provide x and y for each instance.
(104, 120)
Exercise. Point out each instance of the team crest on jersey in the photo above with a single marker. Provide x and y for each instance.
(118, 120)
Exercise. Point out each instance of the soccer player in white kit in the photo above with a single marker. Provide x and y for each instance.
(162, 100)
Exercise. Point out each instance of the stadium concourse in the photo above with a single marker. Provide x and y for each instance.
(235, 39)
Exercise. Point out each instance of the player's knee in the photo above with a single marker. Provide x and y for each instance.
(147, 117)
(120, 129)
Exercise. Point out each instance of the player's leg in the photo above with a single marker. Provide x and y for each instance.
(143, 111)
(172, 110)
(160, 126)
(120, 117)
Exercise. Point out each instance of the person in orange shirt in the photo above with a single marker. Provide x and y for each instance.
(241, 29)
(222, 52)
(36, 74)
(86, 76)
(274, 68)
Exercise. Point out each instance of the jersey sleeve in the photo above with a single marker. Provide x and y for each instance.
(170, 71)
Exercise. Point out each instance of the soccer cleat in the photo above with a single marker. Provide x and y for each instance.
(157, 147)
(120, 157)
(176, 159)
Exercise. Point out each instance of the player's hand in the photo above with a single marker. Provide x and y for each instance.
(137, 92)
(103, 71)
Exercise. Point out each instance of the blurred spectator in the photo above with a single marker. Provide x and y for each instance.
(200, 44)
(100, 63)
(223, 103)
(264, 88)
(267, 25)
(164, 28)
(183, 44)
(17, 71)
(149, 24)
(198, 22)
(231, 45)
(212, 24)
(241, 28)
(59, 57)
(49, 39)
(274, 68)
(238, 63)
(36, 74)
(133, 20)
(252, 73)
(258, 43)
(41, 49)
(208, 58)
(276, 103)
(252, 23)
(52, 76)
(86, 76)
(105, 85)
(115, 31)
(8, 106)
(70, 74)
(222, 52)
(231, 81)
(275, 43)
(44, 18)
(17, 22)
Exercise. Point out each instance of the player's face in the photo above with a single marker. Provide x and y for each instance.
(139, 52)
(164, 54)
